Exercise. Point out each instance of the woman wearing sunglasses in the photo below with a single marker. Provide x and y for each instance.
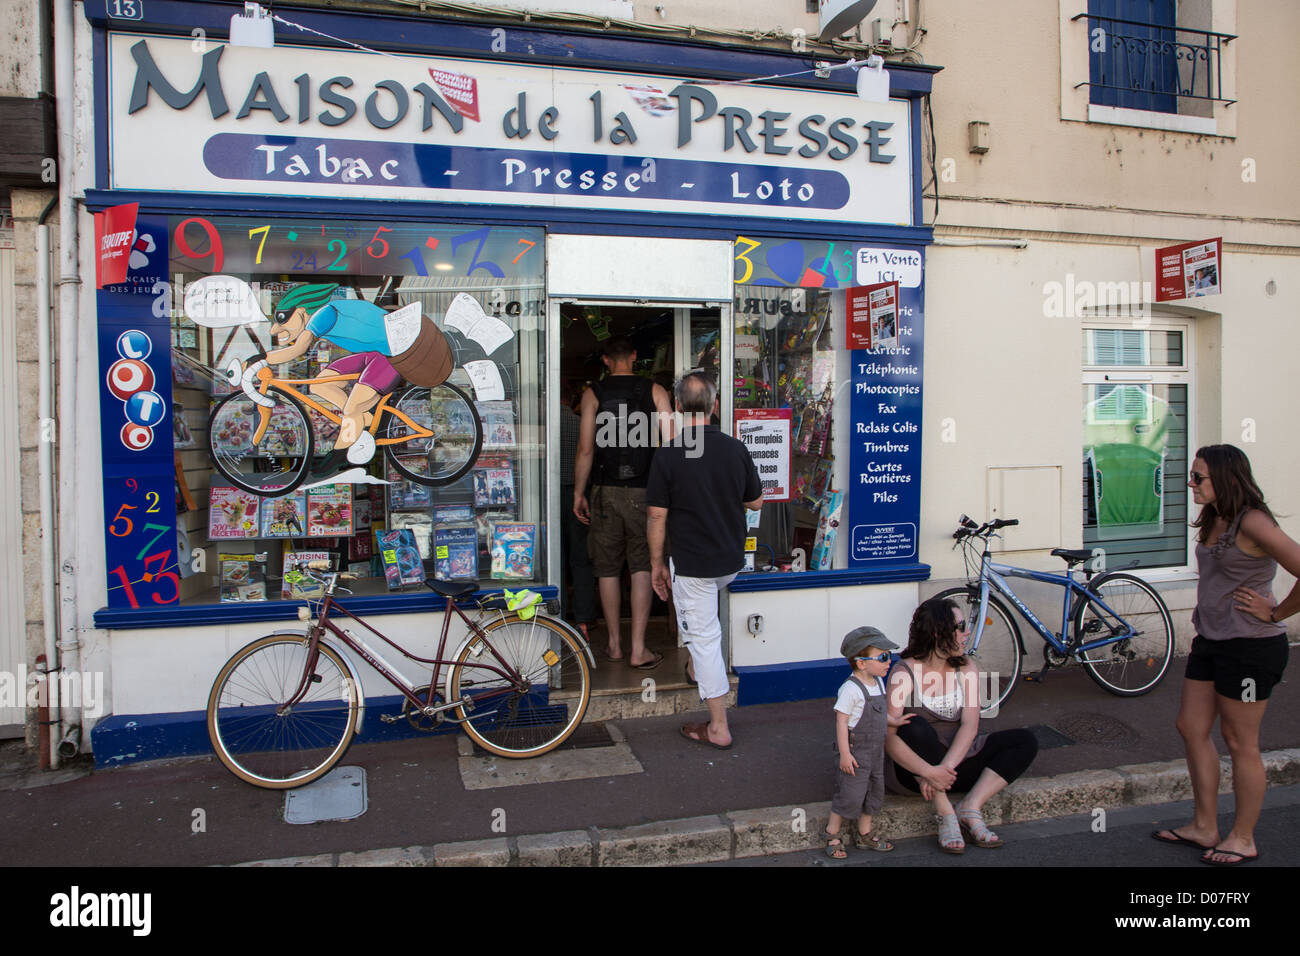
(1239, 652)
(945, 752)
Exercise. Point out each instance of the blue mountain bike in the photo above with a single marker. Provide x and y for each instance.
(1113, 623)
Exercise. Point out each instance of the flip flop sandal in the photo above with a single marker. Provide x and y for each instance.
(835, 847)
(1155, 835)
(870, 841)
(950, 840)
(647, 665)
(976, 830)
(1241, 858)
(699, 734)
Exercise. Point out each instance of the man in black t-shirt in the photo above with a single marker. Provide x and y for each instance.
(698, 489)
(622, 415)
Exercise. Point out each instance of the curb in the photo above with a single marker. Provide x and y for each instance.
(740, 834)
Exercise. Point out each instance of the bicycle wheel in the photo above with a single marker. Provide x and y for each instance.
(1134, 664)
(278, 463)
(457, 435)
(535, 715)
(279, 751)
(998, 656)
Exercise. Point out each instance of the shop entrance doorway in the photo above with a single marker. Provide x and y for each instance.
(670, 339)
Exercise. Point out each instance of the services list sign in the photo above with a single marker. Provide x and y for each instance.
(885, 446)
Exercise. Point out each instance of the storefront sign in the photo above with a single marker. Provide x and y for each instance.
(872, 316)
(333, 123)
(115, 239)
(766, 433)
(885, 447)
(889, 265)
(1189, 269)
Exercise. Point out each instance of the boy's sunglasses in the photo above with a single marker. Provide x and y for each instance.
(883, 658)
(1196, 479)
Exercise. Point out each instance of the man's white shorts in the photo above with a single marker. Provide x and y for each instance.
(696, 601)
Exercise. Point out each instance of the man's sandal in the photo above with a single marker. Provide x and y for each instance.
(870, 841)
(950, 840)
(835, 846)
(976, 830)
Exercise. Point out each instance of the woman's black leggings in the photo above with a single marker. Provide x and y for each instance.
(1008, 753)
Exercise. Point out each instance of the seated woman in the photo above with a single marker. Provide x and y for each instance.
(945, 752)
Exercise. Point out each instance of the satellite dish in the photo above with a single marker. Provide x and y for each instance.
(836, 17)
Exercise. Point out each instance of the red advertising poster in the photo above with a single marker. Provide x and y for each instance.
(459, 90)
(873, 316)
(1189, 269)
(114, 235)
(766, 433)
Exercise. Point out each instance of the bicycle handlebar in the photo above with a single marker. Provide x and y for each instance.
(969, 529)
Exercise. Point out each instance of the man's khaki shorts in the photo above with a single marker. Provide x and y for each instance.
(617, 531)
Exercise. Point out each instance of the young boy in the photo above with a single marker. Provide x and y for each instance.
(861, 722)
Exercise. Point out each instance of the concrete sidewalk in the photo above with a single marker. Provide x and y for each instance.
(633, 793)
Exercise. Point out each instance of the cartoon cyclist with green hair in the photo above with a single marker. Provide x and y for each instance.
(382, 355)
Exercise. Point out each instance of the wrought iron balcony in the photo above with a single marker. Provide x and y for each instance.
(1153, 62)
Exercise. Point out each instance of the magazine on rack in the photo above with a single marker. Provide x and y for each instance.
(401, 558)
(232, 513)
(329, 511)
(494, 481)
(455, 552)
(243, 577)
(409, 494)
(513, 548)
(285, 517)
(498, 420)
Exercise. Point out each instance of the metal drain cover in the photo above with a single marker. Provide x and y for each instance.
(1097, 729)
(339, 795)
(586, 737)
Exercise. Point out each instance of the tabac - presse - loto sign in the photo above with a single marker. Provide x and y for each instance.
(298, 121)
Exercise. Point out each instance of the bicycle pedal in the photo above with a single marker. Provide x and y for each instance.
(388, 719)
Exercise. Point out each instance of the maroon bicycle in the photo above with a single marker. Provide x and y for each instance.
(285, 708)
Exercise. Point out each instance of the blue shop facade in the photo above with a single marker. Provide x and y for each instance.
(535, 191)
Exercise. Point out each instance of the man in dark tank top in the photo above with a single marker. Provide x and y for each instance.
(624, 417)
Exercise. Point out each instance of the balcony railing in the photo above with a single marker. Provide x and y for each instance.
(1154, 60)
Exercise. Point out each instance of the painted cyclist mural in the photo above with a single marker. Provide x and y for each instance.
(276, 431)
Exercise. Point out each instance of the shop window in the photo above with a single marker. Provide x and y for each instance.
(455, 484)
(1135, 427)
(787, 373)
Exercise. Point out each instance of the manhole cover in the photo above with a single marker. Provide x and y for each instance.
(1048, 738)
(1097, 729)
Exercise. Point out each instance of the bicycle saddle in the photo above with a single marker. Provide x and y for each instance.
(1072, 556)
(452, 589)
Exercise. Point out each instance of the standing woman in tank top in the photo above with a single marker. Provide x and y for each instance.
(1239, 651)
